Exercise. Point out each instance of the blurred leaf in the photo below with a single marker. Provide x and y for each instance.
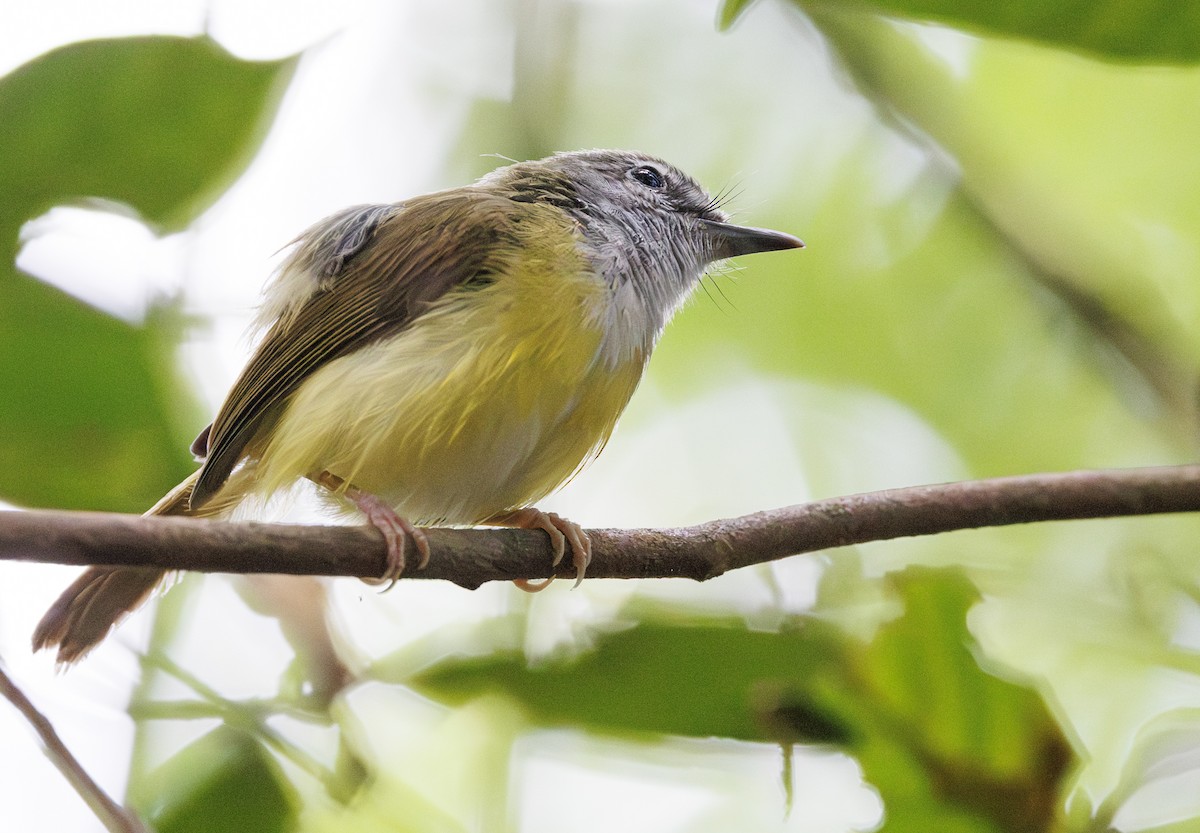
(385, 805)
(908, 288)
(730, 10)
(161, 124)
(1187, 825)
(790, 717)
(656, 678)
(1166, 748)
(1158, 31)
(430, 769)
(85, 422)
(226, 781)
(987, 750)
(925, 305)
(1113, 233)
(949, 746)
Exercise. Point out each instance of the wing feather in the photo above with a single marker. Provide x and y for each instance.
(369, 282)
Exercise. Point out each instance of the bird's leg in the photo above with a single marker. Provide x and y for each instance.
(561, 532)
(384, 518)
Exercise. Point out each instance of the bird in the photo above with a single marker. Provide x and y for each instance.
(449, 359)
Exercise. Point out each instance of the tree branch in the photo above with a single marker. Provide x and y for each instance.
(115, 818)
(471, 557)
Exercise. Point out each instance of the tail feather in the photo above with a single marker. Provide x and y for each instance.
(88, 609)
(102, 596)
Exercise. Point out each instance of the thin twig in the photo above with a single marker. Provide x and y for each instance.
(249, 715)
(112, 815)
(472, 557)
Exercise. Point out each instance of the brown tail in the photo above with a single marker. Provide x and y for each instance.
(97, 600)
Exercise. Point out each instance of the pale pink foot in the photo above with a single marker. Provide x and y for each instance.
(561, 532)
(383, 517)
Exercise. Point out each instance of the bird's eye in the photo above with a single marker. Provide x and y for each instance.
(650, 177)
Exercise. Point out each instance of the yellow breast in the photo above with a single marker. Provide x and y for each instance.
(487, 402)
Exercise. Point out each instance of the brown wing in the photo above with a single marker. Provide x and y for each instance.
(372, 280)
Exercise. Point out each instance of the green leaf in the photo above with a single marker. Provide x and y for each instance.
(948, 745)
(91, 425)
(1156, 31)
(226, 781)
(656, 678)
(982, 750)
(729, 11)
(1048, 166)
(163, 125)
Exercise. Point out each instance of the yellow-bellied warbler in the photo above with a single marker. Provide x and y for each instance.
(449, 359)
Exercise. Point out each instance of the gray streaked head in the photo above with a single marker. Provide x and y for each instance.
(650, 228)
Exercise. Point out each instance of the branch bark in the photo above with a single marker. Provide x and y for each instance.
(471, 557)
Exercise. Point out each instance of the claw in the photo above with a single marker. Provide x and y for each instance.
(561, 532)
(394, 528)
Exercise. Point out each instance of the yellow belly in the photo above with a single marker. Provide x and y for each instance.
(486, 403)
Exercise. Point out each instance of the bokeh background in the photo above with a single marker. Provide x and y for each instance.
(1002, 211)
